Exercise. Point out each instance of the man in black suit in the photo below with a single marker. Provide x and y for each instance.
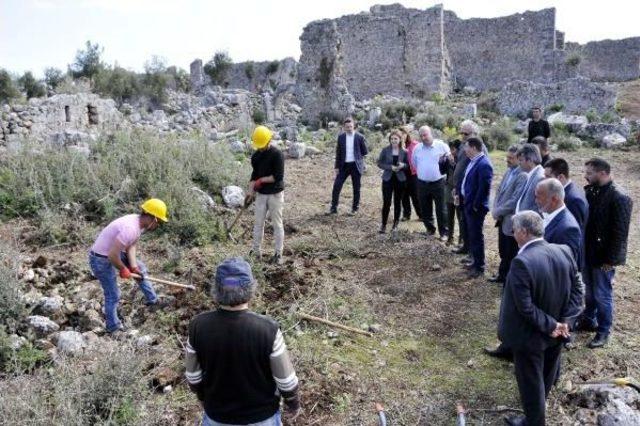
(542, 296)
(574, 197)
(350, 152)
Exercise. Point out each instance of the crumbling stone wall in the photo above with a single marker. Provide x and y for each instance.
(277, 76)
(489, 53)
(390, 50)
(610, 60)
(575, 95)
(59, 116)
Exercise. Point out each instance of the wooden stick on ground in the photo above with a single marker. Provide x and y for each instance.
(165, 282)
(333, 324)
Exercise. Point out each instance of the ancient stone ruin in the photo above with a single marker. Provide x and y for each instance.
(413, 53)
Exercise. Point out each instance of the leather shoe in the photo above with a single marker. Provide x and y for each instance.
(599, 341)
(516, 421)
(474, 273)
(585, 325)
(500, 352)
(496, 279)
(465, 261)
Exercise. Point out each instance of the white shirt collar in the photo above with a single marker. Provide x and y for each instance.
(533, 170)
(529, 242)
(548, 217)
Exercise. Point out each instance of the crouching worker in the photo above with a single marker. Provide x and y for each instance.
(236, 360)
(115, 249)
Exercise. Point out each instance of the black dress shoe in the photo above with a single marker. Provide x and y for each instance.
(333, 210)
(585, 325)
(599, 341)
(516, 421)
(500, 352)
(461, 250)
(474, 273)
(496, 279)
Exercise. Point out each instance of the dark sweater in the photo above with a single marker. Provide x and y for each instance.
(268, 162)
(233, 349)
(538, 128)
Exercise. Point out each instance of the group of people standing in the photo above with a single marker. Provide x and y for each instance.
(558, 245)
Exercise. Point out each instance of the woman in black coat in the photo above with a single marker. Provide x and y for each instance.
(393, 161)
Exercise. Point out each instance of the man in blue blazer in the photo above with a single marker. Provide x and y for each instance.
(350, 152)
(529, 160)
(574, 197)
(474, 189)
(542, 296)
(560, 227)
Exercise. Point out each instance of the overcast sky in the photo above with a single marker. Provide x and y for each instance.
(35, 34)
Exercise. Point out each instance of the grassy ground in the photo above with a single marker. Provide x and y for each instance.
(433, 322)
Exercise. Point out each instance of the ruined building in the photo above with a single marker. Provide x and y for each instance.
(415, 53)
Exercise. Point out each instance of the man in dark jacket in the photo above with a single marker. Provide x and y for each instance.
(350, 152)
(266, 185)
(606, 237)
(541, 297)
(236, 360)
(538, 126)
(474, 196)
(574, 197)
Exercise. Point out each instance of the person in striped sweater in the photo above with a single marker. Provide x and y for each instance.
(236, 360)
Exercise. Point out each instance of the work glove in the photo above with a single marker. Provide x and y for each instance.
(257, 184)
(125, 273)
(136, 270)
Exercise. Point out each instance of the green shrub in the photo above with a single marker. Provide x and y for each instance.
(31, 87)
(272, 67)
(566, 142)
(118, 83)
(53, 77)
(218, 67)
(438, 98)
(592, 116)
(111, 391)
(573, 60)
(431, 118)
(556, 107)
(399, 112)
(249, 71)
(499, 135)
(12, 307)
(88, 62)
(34, 182)
(488, 102)
(8, 89)
(609, 117)
(258, 116)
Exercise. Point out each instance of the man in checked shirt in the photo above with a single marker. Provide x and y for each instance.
(236, 360)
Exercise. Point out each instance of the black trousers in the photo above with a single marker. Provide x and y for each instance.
(451, 219)
(536, 373)
(508, 249)
(349, 169)
(430, 193)
(462, 224)
(411, 196)
(396, 189)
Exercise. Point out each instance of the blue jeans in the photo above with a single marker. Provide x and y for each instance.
(599, 297)
(474, 222)
(106, 273)
(274, 420)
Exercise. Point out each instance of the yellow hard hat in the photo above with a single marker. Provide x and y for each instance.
(261, 137)
(156, 208)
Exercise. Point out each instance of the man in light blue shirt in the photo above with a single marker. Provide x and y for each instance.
(431, 183)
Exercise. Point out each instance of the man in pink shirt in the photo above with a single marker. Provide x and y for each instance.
(411, 194)
(115, 249)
